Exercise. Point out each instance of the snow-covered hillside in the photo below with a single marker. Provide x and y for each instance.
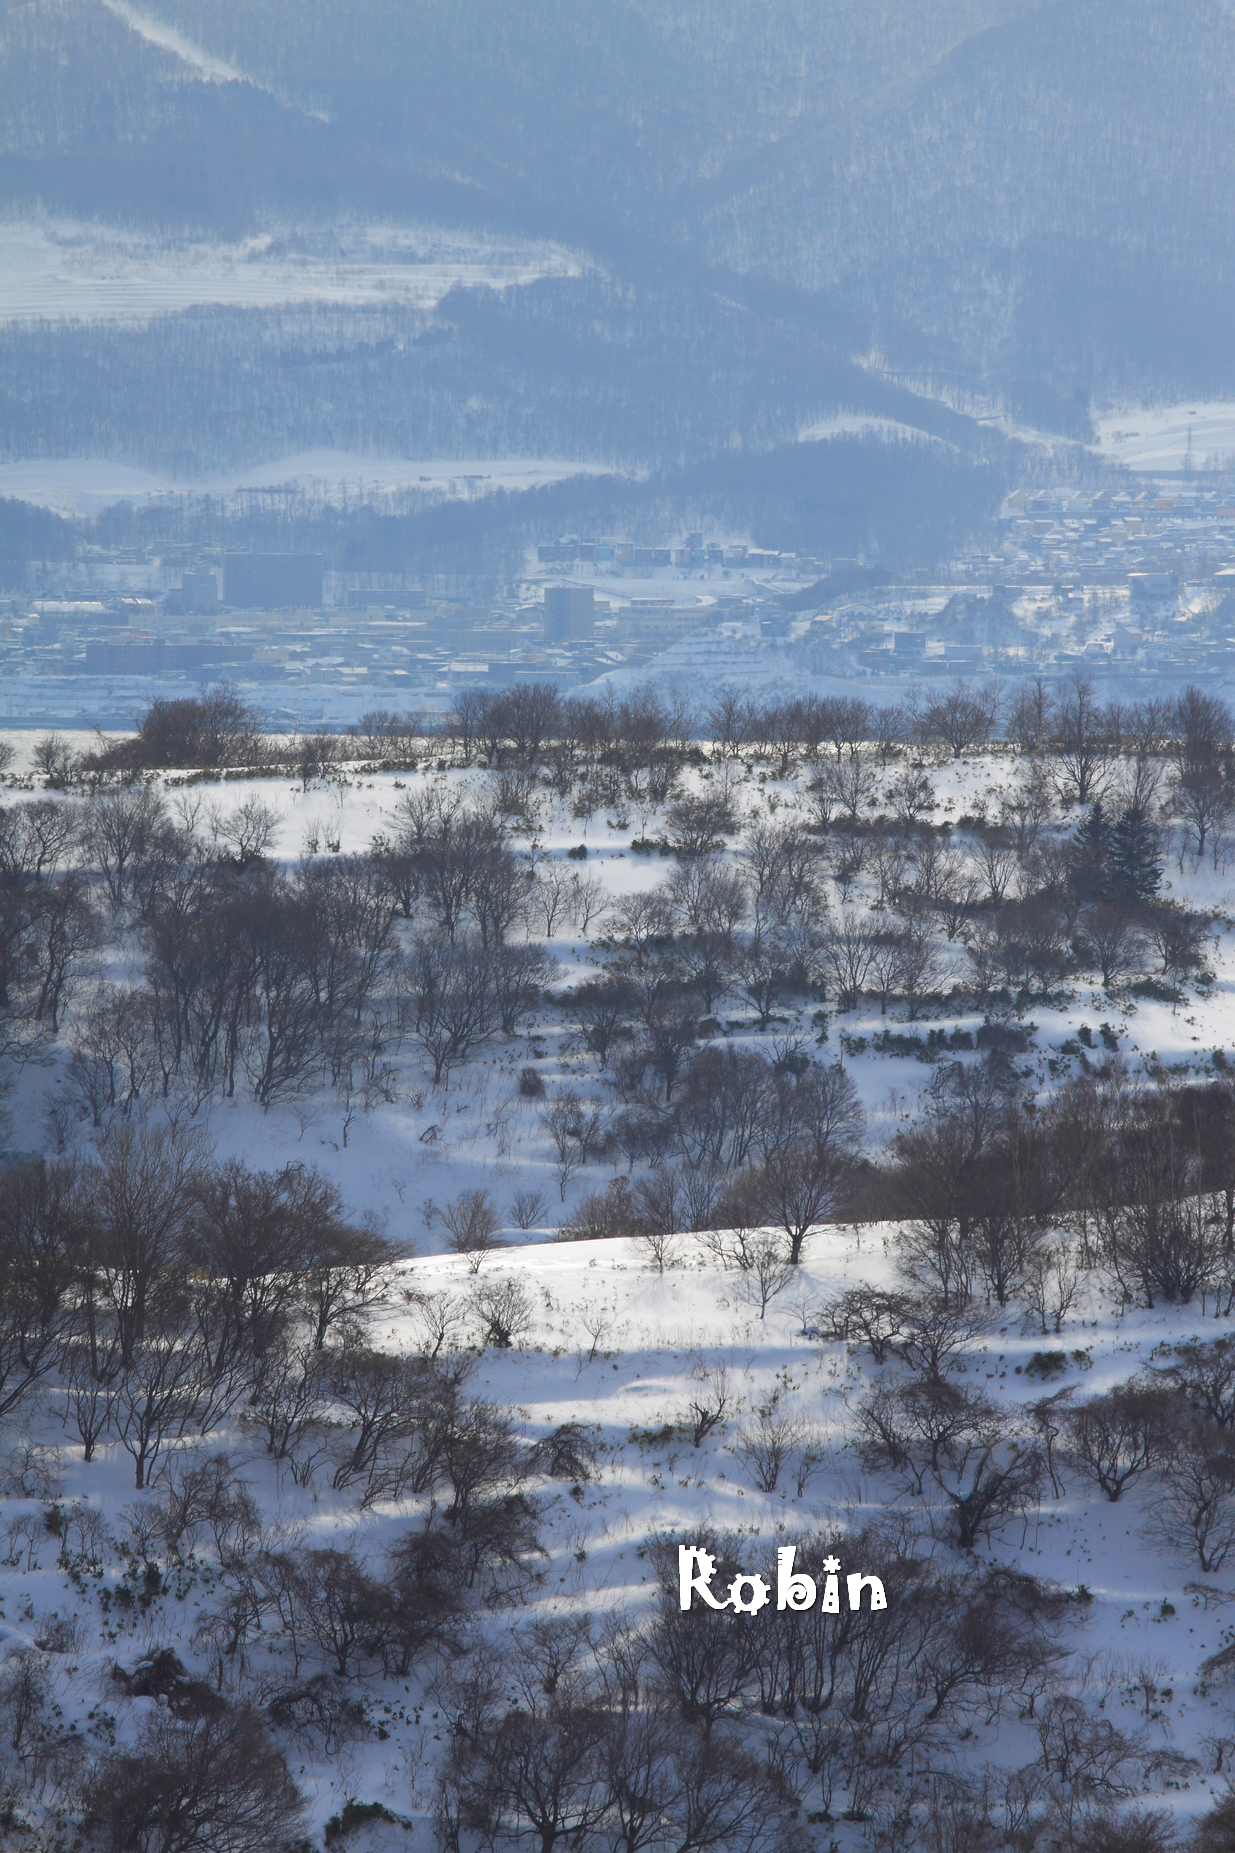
(417, 1549)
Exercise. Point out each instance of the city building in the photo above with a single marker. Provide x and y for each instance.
(569, 611)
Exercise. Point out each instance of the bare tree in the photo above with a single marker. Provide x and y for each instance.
(958, 1439)
(120, 828)
(730, 719)
(211, 1781)
(448, 1003)
(1050, 1284)
(799, 1187)
(144, 1195)
(911, 796)
(962, 720)
(40, 1226)
(289, 1405)
(505, 1310)
(52, 755)
(1031, 716)
(766, 1274)
(766, 1446)
(851, 783)
(1115, 941)
(1081, 743)
(381, 1392)
(248, 831)
(761, 978)
(1192, 1510)
(439, 1313)
(533, 1770)
(170, 1389)
(313, 755)
(599, 1010)
(574, 1126)
(345, 1271)
(471, 1222)
(710, 1400)
(527, 1211)
(1204, 1370)
(660, 1212)
(848, 952)
(588, 900)
(552, 896)
(1117, 1438)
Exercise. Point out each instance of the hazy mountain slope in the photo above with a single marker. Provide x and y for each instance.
(613, 109)
(773, 217)
(901, 504)
(98, 119)
(1031, 196)
(572, 367)
(1053, 200)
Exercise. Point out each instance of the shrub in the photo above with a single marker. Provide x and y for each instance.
(1047, 1364)
(601, 1216)
(360, 1814)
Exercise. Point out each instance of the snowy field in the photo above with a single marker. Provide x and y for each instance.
(65, 270)
(1162, 437)
(853, 424)
(624, 1341)
(83, 485)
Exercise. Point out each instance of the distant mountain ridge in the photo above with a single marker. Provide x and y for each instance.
(1025, 203)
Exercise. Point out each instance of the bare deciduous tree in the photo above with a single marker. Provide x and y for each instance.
(1117, 1438)
(766, 1274)
(505, 1310)
(1192, 1510)
(212, 1781)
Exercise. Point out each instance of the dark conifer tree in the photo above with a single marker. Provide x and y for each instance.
(1135, 864)
(1090, 871)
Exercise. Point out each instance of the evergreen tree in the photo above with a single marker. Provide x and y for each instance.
(1089, 867)
(1135, 865)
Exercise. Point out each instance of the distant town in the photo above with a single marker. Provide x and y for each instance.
(1137, 583)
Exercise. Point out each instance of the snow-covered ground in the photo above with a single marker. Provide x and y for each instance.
(621, 1348)
(854, 424)
(1163, 437)
(202, 63)
(82, 485)
(386, 1169)
(69, 270)
(658, 1336)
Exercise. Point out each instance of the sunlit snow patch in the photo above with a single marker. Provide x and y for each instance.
(60, 270)
(80, 485)
(1162, 437)
(202, 63)
(856, 424)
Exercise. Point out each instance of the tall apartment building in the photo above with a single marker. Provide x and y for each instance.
(569, 610)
